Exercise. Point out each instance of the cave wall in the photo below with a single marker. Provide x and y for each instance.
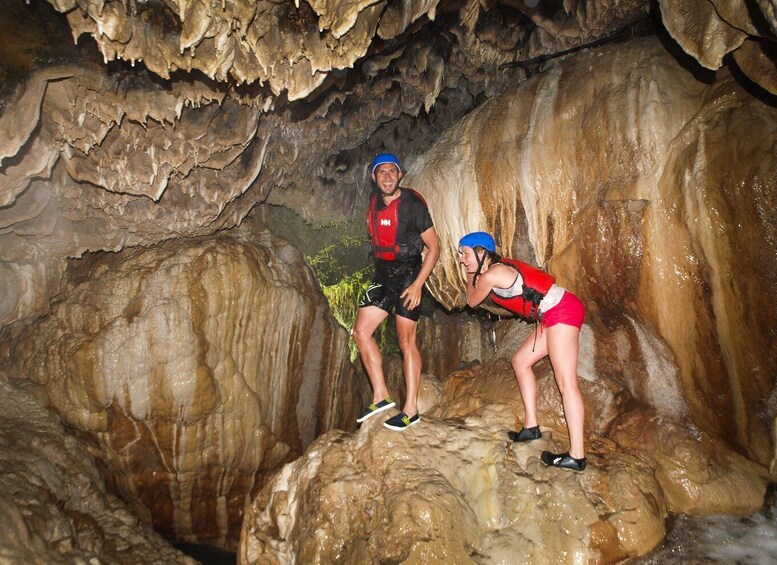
(54, 505)
(176, 119)
(454, 488)
(643, 183)
(193, 369)
(647, 192)
(96, 161)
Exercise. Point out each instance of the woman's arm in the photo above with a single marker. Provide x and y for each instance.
(496, 276)
(477, 294)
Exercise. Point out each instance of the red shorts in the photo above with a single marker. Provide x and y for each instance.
(569, 311)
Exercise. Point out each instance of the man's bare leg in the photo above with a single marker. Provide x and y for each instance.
(406, 332)
(367, 321)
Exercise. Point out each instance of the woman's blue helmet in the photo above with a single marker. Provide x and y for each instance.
(385, 159)
(478, 239)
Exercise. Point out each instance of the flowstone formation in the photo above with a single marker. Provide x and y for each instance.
(193, 369)
(617, 170)
(294, 47)
(454, 489)
(710, 30)
(87, 158)
(54, 507)
(607, 169)
(645, 184)
(176, 118)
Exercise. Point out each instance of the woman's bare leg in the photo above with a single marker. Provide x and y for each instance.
(563, 346)
(524, 359)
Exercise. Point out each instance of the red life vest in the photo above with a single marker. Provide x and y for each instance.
(536, 284)
(383, 225)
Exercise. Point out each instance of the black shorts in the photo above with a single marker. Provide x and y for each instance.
(385, 295)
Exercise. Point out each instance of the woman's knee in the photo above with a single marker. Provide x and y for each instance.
(521, 364)
(568, 388)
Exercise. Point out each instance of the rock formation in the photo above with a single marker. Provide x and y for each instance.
(97, 166)
(680, 219)
(188, 155)
(708, 31)
(455, 489)
(656, 412)
(193, 369)
(626, 145)
(53, 504)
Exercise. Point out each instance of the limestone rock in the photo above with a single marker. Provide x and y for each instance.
(646, 191)
(54, 507)
(440, 492)
(757, 61)
(672, 241)
(94, 159)
(99, 159)
(702, 30)
(698, 474)
(194, 368)
(454, 488)
(294, 46)
(83, 172)
(710, 30)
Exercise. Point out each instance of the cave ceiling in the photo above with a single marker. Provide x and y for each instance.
(333, 81)
(126, 122)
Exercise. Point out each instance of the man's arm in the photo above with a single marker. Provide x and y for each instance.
(411, 297)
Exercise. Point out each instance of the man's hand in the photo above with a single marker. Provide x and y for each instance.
(411, 297)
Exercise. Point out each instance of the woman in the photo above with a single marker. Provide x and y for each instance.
(533, 295)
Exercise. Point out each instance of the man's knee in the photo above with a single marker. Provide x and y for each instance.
(361, 335)
(406, 335)
(408, 343)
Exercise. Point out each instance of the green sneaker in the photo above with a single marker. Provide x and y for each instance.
(375, 408)
(401, 421)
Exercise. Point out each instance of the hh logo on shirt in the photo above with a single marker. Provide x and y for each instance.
(384, 222)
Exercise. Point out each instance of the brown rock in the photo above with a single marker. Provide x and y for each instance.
(446, 489)
(670, 245)
(194, 368)
(454, 487)
(54, 507)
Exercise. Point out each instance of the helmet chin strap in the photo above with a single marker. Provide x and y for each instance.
(481, 259)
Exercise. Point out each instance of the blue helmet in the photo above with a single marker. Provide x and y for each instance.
(478, 239)
(385, 159)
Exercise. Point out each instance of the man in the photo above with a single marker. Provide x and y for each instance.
(400, 227)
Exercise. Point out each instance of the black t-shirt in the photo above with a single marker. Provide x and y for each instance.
(413, 220)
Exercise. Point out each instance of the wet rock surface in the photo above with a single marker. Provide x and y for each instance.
(576, 131)
(453, 487)
(666, 249)
(54, 507)
(193, 369)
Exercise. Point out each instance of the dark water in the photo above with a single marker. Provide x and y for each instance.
(748, 540)
(207, 555)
